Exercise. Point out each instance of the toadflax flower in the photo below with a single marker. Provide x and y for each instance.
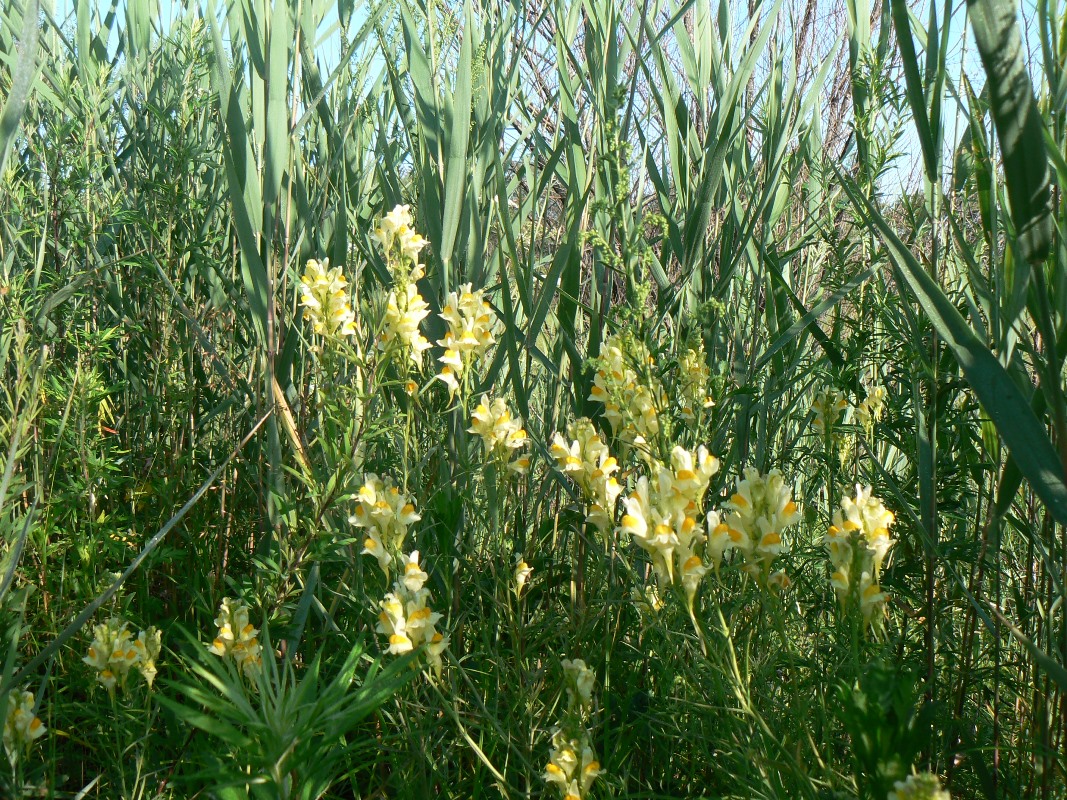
(400, 331)
(385, 513)
(694, 377)
(114, 652)
(500, 433)
(324, 296)
(871, 408)
(399, 243)
(572, 765)
(631, 403)
(470, 333)
(920, 786)
(757, 513)
(406, 617)
(584, 457)
(663, 516)
(858, 542)
(21, 726)
(523, 571)
(236, 637)
(829, 405)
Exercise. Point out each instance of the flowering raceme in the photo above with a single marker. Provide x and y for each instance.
(21, 726)
(630, 406)
(114, 652)
(694, 377)
(407, 619)
(858, 542)
(662, 516)
(871, 408)
(400, 330)
(470, 333)
(829, 405)
(324, 296)
(501, 434)
(399, 243)
(921, 786)
(385, 513)
(756, 515)
(236, 638)
(572, 764)
(586, 460)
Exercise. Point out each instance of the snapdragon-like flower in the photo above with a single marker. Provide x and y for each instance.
(523, 571)
(871, 408)
(584, 457)
(663, 517)
(324, 296)
(829, 405)
(921, 786)
(406, 617)
(858, 542)
(400, 332)
(470, 333)
(501, 434)
(21, 726)
(114, 652)
(572, 765)
(631, 406)
(580, 681)
(757, 513)
(385, 513)
(694, 377)
(237, 638)
(399, 243)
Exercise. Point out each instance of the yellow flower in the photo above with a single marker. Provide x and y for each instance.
(871, 408)
(324, 296)
(522, 574)
(694, 377)
(21, 726)
(470, 333)
(572, 765)
(386, 514)
(237, 638)
(829, 405)
(630, 406)
(403, 313)
(112, 653)
(580, 680)
(500, 433)
(406, 617)
(758, 512)
(920, 786)
(585, 458)
(148, 645)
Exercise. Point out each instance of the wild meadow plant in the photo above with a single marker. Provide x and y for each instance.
(533, 399)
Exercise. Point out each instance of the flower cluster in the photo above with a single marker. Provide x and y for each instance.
(324, 296)
(470, 332)
(406, 617)
(858, 542)
(662, 517)
(114, 652)
(755, 516)
(399, 243)
(501, 434)
(236, 638)
(385, 513)
(585, 458)
(921, 786)
(404, 310)
(871, 408)
(572, 764)
(631, 406)
(21, 726)
(694, 377)
(829, 406)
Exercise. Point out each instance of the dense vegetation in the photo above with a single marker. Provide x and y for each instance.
(545, 398)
